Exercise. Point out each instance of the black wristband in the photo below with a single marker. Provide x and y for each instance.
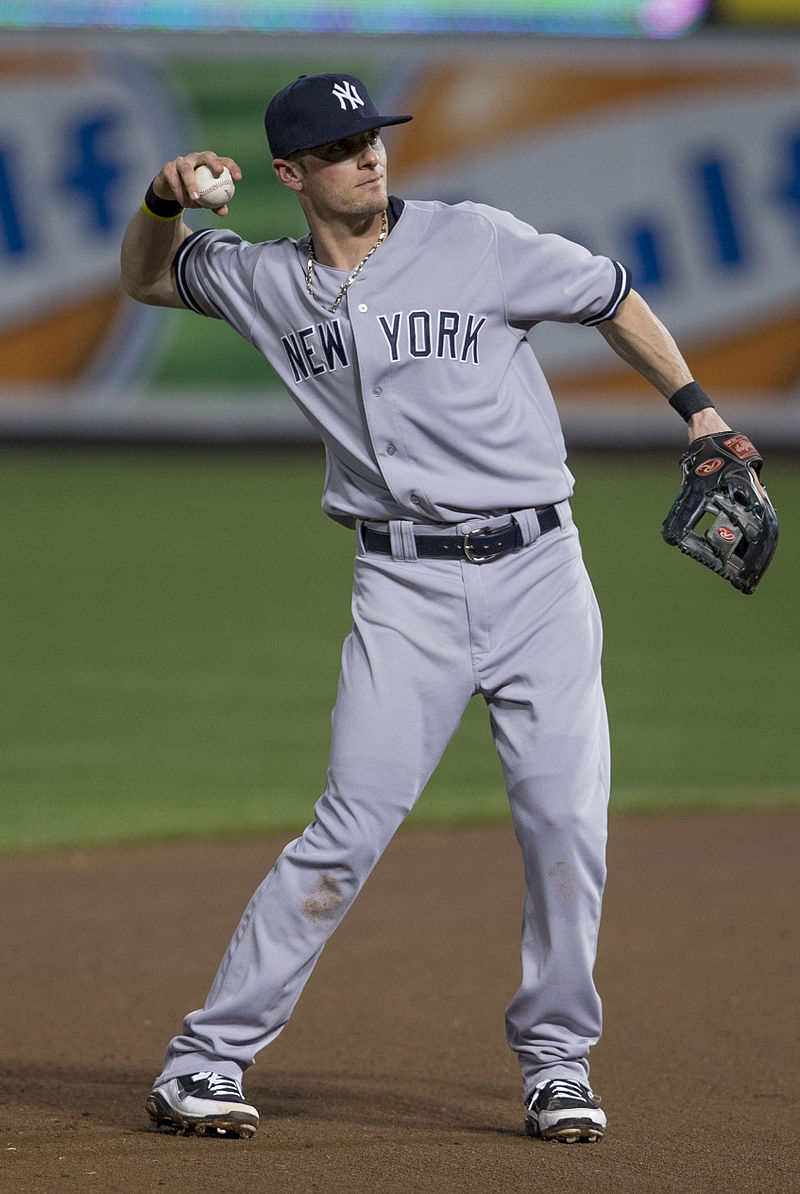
(690, 399)
(162, 209)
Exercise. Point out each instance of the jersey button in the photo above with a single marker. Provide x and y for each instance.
(363, 307)
(377, 391)
(416, 499)
(390, 449)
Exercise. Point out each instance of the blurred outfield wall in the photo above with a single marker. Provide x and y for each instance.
(681, 158)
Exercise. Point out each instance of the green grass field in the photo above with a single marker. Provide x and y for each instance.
(172, 623)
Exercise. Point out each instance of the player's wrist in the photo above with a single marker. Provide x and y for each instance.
(706, 422)
(689, 400)
(157, 207)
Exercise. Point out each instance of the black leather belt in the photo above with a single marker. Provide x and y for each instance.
(478, 546)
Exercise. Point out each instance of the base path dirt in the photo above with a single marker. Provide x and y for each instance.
(394, 1074)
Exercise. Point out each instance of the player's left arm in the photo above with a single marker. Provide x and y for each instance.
(720, 469)
(640, 339)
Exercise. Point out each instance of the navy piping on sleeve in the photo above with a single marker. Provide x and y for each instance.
(180, 270)
(621, 290)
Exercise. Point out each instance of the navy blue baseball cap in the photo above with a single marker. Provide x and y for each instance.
(318, 109)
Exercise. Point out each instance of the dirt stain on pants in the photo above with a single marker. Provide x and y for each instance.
(323, 900)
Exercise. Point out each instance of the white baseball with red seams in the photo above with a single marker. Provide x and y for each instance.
(214, 190)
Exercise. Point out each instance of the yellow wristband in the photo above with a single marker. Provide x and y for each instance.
(161, 209)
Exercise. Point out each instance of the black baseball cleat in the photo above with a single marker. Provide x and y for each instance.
(207, 1103)
(564, 1110)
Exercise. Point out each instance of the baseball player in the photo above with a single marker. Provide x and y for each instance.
(399, 328)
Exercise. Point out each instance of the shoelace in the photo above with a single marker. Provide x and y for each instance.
(563, 1088)
(219, 1084)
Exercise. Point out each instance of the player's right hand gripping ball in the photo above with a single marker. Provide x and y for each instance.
(720, 479)
(213, 190)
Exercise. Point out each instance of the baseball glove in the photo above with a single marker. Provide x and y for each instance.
(721, 480)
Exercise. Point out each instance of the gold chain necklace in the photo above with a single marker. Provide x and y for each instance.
(312, 259)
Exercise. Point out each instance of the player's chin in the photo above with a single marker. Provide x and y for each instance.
(371, 196)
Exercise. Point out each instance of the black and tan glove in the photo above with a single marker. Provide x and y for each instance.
(738, 537)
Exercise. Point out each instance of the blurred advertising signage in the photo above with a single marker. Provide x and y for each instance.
(684, 164)
(80, 135)
(757, 12)
(632, 18)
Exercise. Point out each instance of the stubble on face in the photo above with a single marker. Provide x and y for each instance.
(346, 178)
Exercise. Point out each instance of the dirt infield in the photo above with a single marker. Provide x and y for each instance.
(394, 1075)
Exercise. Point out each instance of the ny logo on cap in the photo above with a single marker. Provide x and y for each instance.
(346, 93)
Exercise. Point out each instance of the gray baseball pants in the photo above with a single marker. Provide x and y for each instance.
(524, 631)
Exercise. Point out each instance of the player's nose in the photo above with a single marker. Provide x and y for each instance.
(369, 156)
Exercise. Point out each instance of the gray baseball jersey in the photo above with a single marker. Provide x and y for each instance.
(433, 410)
(428, 398)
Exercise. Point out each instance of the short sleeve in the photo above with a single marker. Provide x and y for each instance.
(214, 274)
(547, 277)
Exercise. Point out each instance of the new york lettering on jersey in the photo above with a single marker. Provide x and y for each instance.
(315, 349)
(443, 334)
(446, 335)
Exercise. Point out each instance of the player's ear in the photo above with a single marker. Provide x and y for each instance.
(288, 173)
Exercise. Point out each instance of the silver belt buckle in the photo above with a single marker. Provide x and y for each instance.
(468, 548)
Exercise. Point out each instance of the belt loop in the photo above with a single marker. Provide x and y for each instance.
(528, 522)
(404, 544)
(360, 549)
